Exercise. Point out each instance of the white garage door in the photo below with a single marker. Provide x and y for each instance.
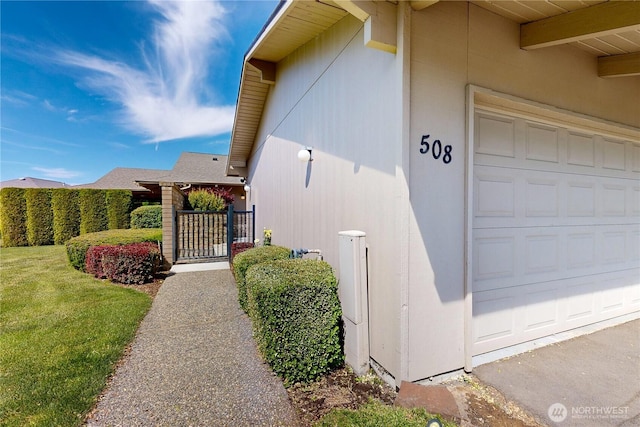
(555, 231)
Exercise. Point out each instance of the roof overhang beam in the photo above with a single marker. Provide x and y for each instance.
(619, 65)
(379, 17)
(594, 21)
(266, 69)
(422, 4)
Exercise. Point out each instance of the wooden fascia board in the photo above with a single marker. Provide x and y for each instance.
(594, 21)
(619, 65)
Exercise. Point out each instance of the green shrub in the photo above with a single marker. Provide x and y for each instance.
(118, 208)
(78, 246)
(147, 217)
(66, 214)
(296, 313)
(13, 214)
(39, 216)
(244, 260)
(204, 200)
(93, 210)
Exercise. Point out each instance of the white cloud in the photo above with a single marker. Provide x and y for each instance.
(163, 99)
(59, 173)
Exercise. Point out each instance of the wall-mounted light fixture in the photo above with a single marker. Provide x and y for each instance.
(247, 188)
(304, 155)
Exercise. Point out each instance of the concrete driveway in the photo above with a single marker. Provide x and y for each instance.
(592, 380)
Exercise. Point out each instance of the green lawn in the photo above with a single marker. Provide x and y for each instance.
(376, 414)
(61, 333)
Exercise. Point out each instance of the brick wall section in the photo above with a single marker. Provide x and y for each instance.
(172, 198)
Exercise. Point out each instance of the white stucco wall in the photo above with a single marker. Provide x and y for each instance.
(454, 44)
(337, 96)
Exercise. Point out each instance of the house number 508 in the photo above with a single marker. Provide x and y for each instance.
(437, 149)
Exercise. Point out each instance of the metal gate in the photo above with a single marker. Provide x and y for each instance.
(207, 235)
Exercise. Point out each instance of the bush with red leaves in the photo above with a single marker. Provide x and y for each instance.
(135, 263)
(93, 261)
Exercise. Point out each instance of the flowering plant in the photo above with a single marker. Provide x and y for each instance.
(267, 236)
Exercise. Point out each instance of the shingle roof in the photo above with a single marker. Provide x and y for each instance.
(125, 179)
(201, 168)
(29, 182)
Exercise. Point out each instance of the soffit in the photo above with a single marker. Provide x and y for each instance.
(525, 11)
(295, 24)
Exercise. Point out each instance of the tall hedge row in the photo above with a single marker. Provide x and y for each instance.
(39, 216)
(66, 214)
(118, 208)
(93, 211)
(13, 217)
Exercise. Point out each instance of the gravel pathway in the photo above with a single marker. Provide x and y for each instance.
(194, 363)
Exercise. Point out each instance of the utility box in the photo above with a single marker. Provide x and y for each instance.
(352, 290)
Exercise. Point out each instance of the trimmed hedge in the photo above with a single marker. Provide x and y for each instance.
(118, 207)
(39, 216)
(13, 214)
(239, 247)
(296, 313)
(134, 263)
(78, 246)
(66, 214)
(246, 259)
(147, 217)
(93, 211)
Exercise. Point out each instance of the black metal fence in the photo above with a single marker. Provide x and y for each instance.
(204, 235)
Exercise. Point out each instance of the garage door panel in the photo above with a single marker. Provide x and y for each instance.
(581, 198)
(542, 143)
(555, 240)
(542, 197)
(635, 158)
(580, 300)
(614, 200)
(541, 307)
(495, 136)
(613, 298)
(512, 257)
(614, 156)
(496, 195)
(634, 205)
(580, 150)
(494, 316)
(509, 316)
(509, 197)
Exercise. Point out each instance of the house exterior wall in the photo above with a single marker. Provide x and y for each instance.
(365, 113)
(454, 44)
(340, 98)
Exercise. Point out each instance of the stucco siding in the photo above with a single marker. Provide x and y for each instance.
(337, 96)
(454, 44)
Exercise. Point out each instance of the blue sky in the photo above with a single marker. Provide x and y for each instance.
(87, 86)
